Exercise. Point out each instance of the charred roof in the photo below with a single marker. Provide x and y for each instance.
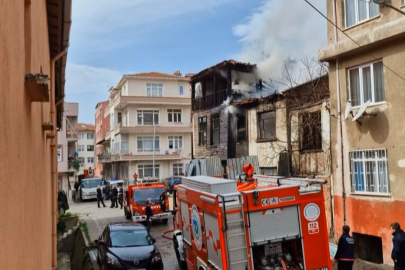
(242, 66)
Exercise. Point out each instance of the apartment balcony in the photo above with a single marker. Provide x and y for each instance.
(123, 101)
(141, 155)
(209, 101)
(108, 135)
(71, 134)
(160, 128)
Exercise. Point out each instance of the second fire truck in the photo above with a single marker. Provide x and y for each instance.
(266, 223)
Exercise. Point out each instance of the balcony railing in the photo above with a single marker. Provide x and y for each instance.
(209, 101)
(71, 134)
(168, 124)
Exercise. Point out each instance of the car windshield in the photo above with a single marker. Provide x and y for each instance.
(143, 194)
(116, 184)
(130, 238)
(91, 183)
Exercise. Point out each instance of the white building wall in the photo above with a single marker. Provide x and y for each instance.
(84, 141)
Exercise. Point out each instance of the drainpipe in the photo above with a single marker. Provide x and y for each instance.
(340, 118)
(54, 165)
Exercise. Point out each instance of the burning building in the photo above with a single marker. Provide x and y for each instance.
(217, 128)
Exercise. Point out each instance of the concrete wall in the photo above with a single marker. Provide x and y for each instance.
(26, 151)
(371, 214)
(137, 87)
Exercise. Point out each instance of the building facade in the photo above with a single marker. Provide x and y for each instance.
(67, 147)
(102, 127)
(366, 72)
(86, 146)
(150, 120)
(217, 129)
(32, 82)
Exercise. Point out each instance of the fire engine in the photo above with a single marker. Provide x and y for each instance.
(136, 195)
(265, 223)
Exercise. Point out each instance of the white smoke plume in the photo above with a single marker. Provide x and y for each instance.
(279, 34)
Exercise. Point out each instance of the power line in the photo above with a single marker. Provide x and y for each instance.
(337, 27)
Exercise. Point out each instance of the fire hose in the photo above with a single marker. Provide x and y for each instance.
(166, 232)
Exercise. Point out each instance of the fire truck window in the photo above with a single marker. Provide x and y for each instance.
(141, 195)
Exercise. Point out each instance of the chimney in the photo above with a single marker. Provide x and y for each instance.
(177, 73)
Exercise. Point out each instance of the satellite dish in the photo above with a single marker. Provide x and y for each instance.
(361, 110)
(348, 108)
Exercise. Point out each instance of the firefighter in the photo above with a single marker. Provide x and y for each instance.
(398, 251)
(120, 195)
(149, 215)
(345, 251)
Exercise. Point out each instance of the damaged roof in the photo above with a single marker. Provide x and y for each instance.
(253, 101)
(231, 62)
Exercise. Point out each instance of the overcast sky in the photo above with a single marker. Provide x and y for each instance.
(110, 38)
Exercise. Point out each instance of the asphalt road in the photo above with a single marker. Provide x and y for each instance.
(98, 218)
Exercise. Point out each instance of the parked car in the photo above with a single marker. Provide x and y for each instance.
(127, 245)
(63, 204)
(171, 182)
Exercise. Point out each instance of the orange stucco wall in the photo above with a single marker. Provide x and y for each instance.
(25, 167)
(370, 217)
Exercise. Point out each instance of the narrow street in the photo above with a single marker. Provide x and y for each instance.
(98, 218)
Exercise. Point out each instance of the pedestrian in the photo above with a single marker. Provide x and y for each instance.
(99, 196)
(398, 250)
(345, 250)
(149, 215)
(114, 193)
(120, 195)
(107, 190)
(76, 186)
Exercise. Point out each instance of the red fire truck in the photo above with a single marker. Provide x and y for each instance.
(135, 196)
(270, 223)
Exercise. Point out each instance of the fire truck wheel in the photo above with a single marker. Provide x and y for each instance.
(165, 220)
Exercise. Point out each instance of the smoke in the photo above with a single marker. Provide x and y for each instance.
(278, 35)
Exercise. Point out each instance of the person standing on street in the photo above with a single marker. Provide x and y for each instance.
(76, 186)
(398, 250)
(99, 196)
(114, 194)
(120, 195)
(107, 189)
(345, 251)
(149, 215)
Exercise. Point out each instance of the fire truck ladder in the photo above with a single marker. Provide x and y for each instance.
(234, 231)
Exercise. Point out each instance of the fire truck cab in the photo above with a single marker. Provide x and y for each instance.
(136, 195)
(267, 224)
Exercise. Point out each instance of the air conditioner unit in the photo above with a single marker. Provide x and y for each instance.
(381, 2)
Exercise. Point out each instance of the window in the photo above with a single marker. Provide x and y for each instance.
(148, 117)
(177, 169)
(119, 118)
(175, 142)
(241, 128)
(311, 131)
(181, 90)
(81, 135)
(90, 160)
(90, 136)
(147, 171)
(266, 126)
(202, 131)
(80, 148)
(154, 90)
(359, 10)
(81, 160)
(174, 116)
(197, 90)
(60, 153)
(366, 83)
(90, 148)
(145, 144)
(215, 129)
(369, 171)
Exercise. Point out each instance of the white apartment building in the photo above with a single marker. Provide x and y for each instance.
(142, 107)
(67, 142)
(86, 145)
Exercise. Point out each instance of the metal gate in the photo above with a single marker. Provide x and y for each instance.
(235, 165)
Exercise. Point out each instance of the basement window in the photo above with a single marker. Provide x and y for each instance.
(311, 131)
(215, 129)
(368, 248)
